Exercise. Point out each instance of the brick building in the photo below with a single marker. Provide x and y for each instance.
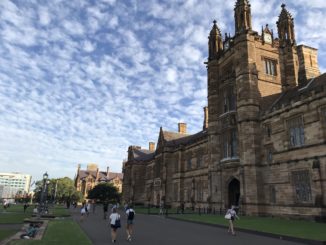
(262, 146)
(85, 180)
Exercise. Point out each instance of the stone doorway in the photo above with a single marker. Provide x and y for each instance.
(234, 192)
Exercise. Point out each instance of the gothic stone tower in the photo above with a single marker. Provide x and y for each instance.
(241, 70)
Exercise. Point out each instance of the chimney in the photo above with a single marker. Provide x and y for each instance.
(205, 126)
(308, 64)
(78, 168)
(97, 175)
(151, 146)
(182, 128)
(107, 171)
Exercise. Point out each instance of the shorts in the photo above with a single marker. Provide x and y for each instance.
(114, 227)
(130, 221)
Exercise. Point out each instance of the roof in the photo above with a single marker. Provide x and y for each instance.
(276, 101)
(142, 154)
(187, 139)
(102, 175)
(168, 136)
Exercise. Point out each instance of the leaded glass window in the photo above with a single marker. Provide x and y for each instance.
(230, 144)
(272, 194)
(302, 188)
(189, 163)
(176, 191)
(229, 98)
(199, 161)
(296, 131)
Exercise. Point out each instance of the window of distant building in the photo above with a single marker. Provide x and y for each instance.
(230, 144)
(176, 166)
(228, 99)
(269, 155)
(272, 194)
(301, 184)
(296, 131)
(199, 161)
(270, 67)
(176, 191)
(268, 130)
(189, 163)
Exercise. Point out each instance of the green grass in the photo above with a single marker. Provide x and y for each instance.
(15, 214)
(63, 232)
(5, 233)
(294, 228)
(60, 210)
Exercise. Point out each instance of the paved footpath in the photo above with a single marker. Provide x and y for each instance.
(156, 230)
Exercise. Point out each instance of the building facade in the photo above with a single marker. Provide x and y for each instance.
(262, 146)
(13, 184)
(86, 180)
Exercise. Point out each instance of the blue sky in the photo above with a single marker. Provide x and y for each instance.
(80, 81)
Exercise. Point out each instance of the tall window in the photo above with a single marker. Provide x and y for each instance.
(199, 160)
(301, 183)
(230, 144)
(228, 100)
(270, 67)
(269, 155)
(272, 194)
(176, 191)
(296, 131)
(176, 166)
(189, 163)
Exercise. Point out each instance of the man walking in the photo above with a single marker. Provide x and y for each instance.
(130, 221)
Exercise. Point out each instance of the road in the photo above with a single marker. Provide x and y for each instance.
(158, 230)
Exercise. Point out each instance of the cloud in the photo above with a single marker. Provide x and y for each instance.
(81, 81)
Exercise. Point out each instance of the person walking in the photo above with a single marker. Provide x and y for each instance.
(88, 207)
(130, 222)
(105, 209)
(115, 224)
(82, 212)
(231, 215)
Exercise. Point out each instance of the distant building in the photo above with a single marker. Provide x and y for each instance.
(86, 179)
(12, 184)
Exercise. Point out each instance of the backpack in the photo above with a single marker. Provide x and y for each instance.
(131, 215)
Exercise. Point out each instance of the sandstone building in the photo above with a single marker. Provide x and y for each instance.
(262, 146)
(85, 180)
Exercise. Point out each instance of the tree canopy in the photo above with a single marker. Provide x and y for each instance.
(59, 190)
(105, 192)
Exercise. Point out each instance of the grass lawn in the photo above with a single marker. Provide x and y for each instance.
(15, 214)
(60, 232)
(5, 233)
(295, 228)
(60, 210)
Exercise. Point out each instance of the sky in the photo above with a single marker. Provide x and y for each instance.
(81, 80)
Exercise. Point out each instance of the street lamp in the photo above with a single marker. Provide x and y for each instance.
(44, 190)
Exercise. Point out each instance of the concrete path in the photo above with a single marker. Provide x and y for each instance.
(156, 230)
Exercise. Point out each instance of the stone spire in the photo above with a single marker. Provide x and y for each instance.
(215, 42)
(242, 16)
(285, 27)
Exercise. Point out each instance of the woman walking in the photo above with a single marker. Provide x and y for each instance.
(231, 214)
(115, 224)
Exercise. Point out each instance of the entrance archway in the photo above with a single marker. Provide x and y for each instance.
(234, 192)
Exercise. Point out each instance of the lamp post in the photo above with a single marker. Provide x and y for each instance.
(43, 193)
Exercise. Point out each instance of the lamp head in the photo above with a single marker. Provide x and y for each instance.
(45, 176)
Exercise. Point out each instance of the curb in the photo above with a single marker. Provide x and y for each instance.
(260, 233)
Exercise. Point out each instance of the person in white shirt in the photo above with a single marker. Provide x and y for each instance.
(130, 221)
(233, 215)
(114, 225)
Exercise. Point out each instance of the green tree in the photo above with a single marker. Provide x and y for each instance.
(105, 192)
(58, 190)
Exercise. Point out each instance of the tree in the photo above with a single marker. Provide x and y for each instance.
(59, 190)
(105, 192)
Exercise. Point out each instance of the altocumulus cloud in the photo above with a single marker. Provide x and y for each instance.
(80, 81)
